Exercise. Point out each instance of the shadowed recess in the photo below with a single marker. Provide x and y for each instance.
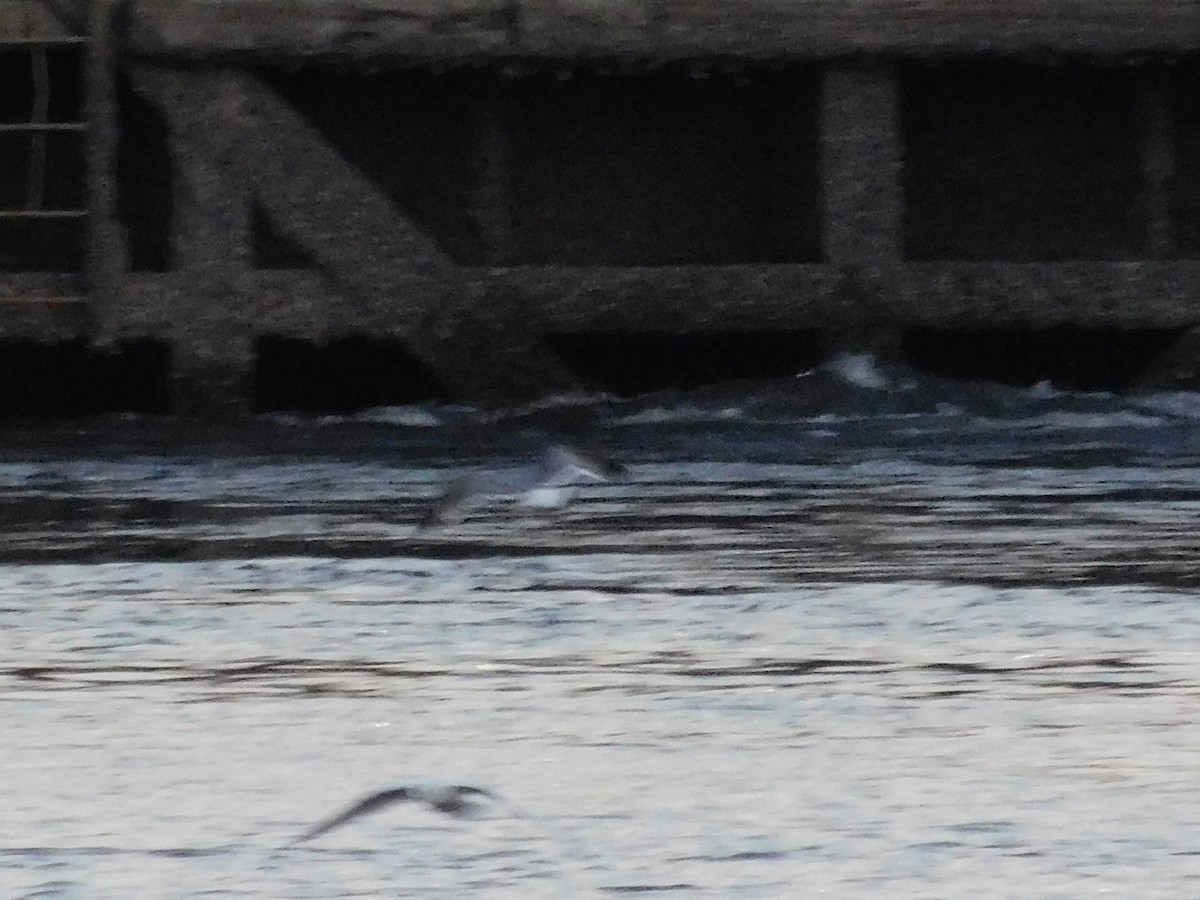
(345, 375)
(144, 181)
(686, 164)
(1185, 186)
(577, 166)
(413, 133)
(271, 247)
(1088, 359)
(41, 171)
(70, 379)
(1020, 162)
(631, 364)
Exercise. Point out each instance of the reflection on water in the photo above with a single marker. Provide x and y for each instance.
(918, 651)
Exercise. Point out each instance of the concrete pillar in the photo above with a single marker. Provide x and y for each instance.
(211, 237)
(107, 259)
(1157, 145)
(861, 158)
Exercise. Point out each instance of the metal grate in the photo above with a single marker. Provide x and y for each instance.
(30, 27)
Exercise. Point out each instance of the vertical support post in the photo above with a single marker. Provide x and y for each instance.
(861, 159)
(1156, 132)
(1178, 368)
(211, 237)
(106, 251)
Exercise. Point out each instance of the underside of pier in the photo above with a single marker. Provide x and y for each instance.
(484, 199)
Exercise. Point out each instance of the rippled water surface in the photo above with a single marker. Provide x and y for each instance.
(824, 638)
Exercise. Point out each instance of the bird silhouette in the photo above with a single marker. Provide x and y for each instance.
(458, 800)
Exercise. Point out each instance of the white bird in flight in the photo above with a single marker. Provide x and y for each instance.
(551, 482)
(458, 800)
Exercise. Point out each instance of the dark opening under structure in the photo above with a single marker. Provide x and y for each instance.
(71, 380)
(1184, 84)
(412, 132)
(43, 214)
(682, 164)
(145, 181)
(1086, 359)
(687, 164)
(1021, 163)
(343, 376)
(631, 364)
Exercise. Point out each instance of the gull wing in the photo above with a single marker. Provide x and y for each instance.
(452, 506)
(370, 804)
(474, 791)
(562, 464)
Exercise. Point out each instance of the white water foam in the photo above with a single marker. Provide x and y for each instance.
(860, 370)
(681, 414)
(410, 416)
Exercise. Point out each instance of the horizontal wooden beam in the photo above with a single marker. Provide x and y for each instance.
(45, 307)
(679, 299)
(654, 30)
(25, 23)
(682, 299)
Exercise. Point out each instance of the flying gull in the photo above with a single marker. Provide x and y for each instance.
(458, 800)
(551, 482)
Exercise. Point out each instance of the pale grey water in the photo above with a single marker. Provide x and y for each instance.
(894, 654)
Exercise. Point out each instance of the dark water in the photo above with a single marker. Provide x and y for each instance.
(855, 634)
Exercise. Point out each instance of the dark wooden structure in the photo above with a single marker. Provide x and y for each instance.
(471, 176)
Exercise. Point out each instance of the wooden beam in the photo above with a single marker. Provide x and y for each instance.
(690, 299)
(210, 324)
(107, 257)
(658, 29)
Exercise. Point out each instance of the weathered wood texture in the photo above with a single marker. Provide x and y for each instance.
(211, 328)
(36, 19)
(234, 139)
(861, 158)
(43, 306)
(696, 299)
(659, 29)
(107, 259)
(890, 254)
(668, 300)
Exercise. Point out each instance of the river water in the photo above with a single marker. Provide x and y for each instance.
(855, 634)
